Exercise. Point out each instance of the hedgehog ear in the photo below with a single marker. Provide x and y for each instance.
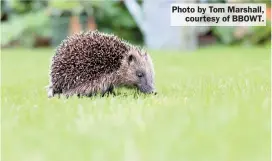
(131, 58)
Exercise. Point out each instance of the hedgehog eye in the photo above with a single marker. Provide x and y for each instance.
(140, 74)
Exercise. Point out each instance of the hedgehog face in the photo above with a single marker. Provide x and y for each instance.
(140, 72)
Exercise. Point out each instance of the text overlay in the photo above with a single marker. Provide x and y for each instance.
(242, 14)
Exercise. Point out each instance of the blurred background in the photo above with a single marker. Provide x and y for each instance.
(45, 23)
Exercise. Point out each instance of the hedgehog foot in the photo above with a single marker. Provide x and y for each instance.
(108, 91)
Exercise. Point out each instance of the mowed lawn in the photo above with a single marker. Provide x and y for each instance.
(212, 105)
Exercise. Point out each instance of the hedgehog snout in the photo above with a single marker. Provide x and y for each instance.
(146, 85)
(148, 89)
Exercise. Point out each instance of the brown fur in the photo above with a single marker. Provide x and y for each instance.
(93, 62)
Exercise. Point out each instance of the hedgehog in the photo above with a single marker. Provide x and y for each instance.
(93, 62)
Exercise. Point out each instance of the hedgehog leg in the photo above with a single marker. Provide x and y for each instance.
(78, 96)
(109, 90)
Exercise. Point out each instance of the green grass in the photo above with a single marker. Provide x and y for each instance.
(212, 105)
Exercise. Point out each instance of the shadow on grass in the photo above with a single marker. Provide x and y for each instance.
(118, 93)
